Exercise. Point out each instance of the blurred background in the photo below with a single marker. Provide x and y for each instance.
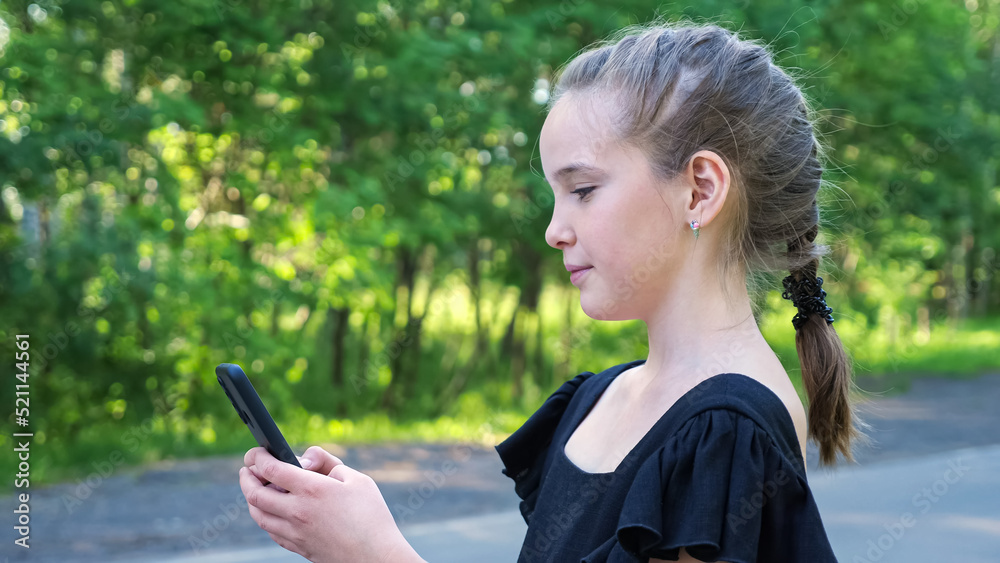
(345, 198)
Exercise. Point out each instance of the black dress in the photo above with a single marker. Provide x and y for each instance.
(721, 474)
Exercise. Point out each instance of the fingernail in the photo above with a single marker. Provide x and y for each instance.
(306, 463)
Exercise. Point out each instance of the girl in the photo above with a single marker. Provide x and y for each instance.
(682, 160)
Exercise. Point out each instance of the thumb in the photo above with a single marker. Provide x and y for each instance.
(320, 460)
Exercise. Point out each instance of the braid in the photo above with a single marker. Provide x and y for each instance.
(804, 287)
(826, 370)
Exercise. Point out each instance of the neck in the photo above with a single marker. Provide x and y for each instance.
(694, 338)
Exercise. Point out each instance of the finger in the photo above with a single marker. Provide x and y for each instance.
(345, 473)
(262, 497)
(275, 487)
(272, 524)
(250, 455)
(256, 473)
(322, 460)
(273, 470)
(287, 544)
(266, 483)
(253, 472)
(306, 462)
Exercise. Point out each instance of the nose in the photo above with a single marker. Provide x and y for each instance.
(559, 233)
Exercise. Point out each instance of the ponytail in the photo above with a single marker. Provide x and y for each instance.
(826, 368)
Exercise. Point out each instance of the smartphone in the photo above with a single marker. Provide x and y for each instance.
(253, 413)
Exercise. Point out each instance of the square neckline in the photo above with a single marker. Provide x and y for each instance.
(648, 435)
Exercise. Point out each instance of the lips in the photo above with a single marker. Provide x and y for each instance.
(574, 268)
(576, 277)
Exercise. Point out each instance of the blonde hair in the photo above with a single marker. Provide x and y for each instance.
(680, 88)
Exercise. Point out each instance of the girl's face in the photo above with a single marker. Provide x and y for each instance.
(627, 224)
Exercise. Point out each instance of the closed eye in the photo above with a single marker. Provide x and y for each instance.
(582, 192)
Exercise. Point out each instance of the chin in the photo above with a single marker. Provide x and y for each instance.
(606, 309)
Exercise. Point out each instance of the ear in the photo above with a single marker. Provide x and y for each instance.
(709, 178)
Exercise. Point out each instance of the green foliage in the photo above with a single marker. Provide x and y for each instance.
(344, 198)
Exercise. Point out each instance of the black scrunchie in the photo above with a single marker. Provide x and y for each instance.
(809, 297)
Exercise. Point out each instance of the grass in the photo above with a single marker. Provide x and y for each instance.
(964, 351)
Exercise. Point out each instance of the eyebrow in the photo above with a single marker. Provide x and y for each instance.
(575, 168)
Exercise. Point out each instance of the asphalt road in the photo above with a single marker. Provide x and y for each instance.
(933, 508)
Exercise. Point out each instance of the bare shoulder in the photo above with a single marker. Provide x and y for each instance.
(777, 380)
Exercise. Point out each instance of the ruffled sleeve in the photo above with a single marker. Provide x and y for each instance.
(724, 491)
(523, 452)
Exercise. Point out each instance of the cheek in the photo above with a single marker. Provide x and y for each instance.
(634, 233)
(646, 256)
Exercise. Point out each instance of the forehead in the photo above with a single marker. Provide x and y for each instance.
(575, 132)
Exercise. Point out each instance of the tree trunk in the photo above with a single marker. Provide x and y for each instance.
(405, 274)
(981, 295)
(338, 321)
(43, 226)
(415, 337)
(532, 261)
(362, 369)
(517, 354)
(506, 343)
(405, 364)
(480, 356)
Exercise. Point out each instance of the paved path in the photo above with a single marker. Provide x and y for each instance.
(933, 415)
(940, 507)
(193, 510)
(935, 508)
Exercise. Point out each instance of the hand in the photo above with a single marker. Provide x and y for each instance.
(324, 511)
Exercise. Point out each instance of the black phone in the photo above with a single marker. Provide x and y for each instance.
(253, 413)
